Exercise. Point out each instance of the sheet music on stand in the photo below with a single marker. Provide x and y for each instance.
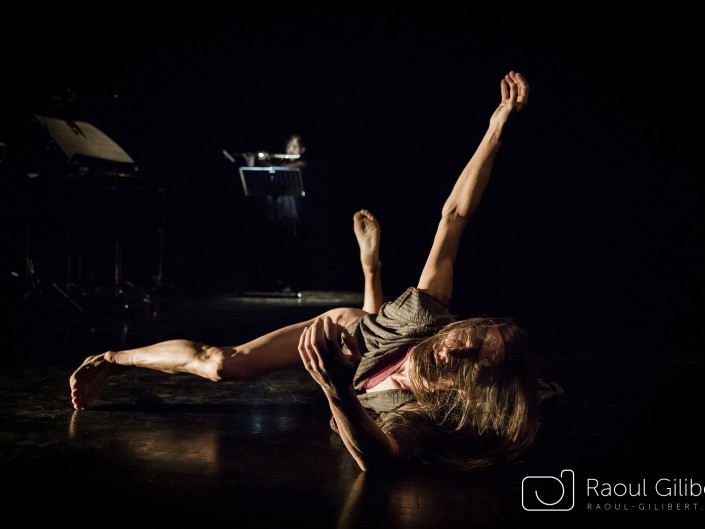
(79, 138)
(262, 181)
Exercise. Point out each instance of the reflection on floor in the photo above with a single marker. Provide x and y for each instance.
(179, 449)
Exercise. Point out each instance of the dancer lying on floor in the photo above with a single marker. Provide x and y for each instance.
(403, 379)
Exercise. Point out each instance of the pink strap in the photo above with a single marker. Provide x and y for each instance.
(379, 377)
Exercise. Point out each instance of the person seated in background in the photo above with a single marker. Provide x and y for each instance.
(292, 157)
(279, 244)
(294, 152)
(285, 209)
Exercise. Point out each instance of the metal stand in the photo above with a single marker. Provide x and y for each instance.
(159, 281)
(73, 291)
(97, 156)
(271, 183)
(35, 291)
(125, 291)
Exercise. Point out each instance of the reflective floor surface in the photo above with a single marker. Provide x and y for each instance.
(161, 449)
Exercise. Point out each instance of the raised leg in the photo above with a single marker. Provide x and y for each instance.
(271, 352)
(368, 234)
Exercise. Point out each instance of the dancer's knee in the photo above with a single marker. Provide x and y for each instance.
(211, 363)
(229, 363)
(345, 315)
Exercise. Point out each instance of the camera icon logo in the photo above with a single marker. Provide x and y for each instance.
(548, 493)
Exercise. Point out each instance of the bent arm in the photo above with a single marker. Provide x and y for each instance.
(333, 367)
(437, 275)
(369, 445)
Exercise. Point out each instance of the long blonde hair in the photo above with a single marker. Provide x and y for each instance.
(490, 411)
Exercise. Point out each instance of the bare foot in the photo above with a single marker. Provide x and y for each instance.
(87, 380)
(368, 235)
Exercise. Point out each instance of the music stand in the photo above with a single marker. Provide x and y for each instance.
(275, 182)
(81, 138)
(86, 145)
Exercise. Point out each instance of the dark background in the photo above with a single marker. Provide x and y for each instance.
(589, 232)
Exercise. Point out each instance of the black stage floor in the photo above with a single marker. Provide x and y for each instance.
(178, 449)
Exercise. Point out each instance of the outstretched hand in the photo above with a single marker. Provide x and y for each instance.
(515, 97)
(330, 355)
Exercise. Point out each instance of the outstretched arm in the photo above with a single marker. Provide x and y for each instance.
(437, 275)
